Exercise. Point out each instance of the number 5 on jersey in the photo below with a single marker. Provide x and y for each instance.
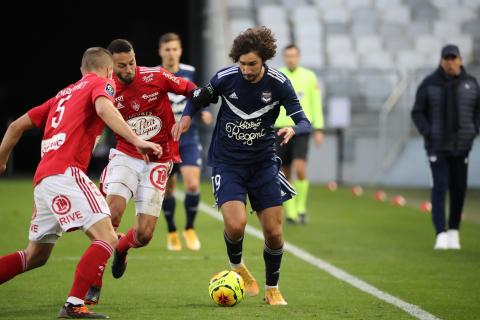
(57, 117)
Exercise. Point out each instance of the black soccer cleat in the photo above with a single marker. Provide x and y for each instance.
(93, 296)
(80, 311)
(119, 264)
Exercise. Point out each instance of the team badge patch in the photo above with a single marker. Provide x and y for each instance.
(159, 176)
(135, 105)
(266, 96)
(109, 90)
(61, 205)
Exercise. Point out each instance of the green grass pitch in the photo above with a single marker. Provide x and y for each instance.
(388, 247)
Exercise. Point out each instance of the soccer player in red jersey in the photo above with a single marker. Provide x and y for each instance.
(65, 198)
(142, 99)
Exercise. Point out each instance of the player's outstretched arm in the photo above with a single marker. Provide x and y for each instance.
(112, 118)
(10, 139)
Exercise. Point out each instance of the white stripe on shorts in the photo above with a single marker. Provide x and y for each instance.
(86, 191)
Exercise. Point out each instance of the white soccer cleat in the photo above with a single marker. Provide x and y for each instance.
(442, 241)
(453, 239)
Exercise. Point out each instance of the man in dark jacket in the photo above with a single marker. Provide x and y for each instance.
(446, 113)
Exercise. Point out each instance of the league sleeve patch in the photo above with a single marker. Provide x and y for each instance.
(110, 90)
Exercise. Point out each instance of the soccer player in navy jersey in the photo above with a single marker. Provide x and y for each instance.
(170, 50)
(242, 150)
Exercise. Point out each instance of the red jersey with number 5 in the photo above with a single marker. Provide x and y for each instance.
(71, 125)
(145, 105)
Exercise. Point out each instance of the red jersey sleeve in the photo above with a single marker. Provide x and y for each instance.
(39, 114)
(103, 87)
(178, 85)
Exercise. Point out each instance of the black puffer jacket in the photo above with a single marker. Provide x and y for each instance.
(447, 112)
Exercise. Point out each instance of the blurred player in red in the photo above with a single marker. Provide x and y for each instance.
(142, 99)
(65, 198)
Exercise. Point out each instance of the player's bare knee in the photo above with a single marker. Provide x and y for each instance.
(236, 229)
(273, 236)
(192, 186)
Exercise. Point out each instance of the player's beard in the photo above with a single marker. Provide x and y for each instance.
(251, 77)
(126, 80)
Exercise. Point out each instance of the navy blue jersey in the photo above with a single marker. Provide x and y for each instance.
(244, 132)
(179, 102)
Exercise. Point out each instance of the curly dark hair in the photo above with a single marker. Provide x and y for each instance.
(259, 40)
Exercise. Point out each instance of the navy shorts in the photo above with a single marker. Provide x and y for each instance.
(191, 155)
(264, 183)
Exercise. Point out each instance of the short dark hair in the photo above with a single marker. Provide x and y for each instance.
(259, 40)
(120, 46)
(291, 46)
(95, 58)
(170, 36)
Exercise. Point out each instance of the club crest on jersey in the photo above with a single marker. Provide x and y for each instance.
(135, 105)
(266, 96)
(109, 90)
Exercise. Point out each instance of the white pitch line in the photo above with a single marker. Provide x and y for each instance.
(338, 273)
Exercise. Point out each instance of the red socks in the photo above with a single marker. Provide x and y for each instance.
(128, 241)
(90, 268)
(12, 265)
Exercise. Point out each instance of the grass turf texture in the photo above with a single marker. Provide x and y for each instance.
(386, 246)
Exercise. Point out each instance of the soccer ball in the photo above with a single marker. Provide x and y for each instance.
(226, 288)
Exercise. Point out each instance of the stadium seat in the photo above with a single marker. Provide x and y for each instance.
(325, 4)
(382, 4)
(336, 15)
(472, 4)
(409, 60)
(269, 14)
(378, 59)
(364, 45)
(364, 28)
(343, 60)
(239, 25)
(445, 4)
(352, 4)
(396, 14)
